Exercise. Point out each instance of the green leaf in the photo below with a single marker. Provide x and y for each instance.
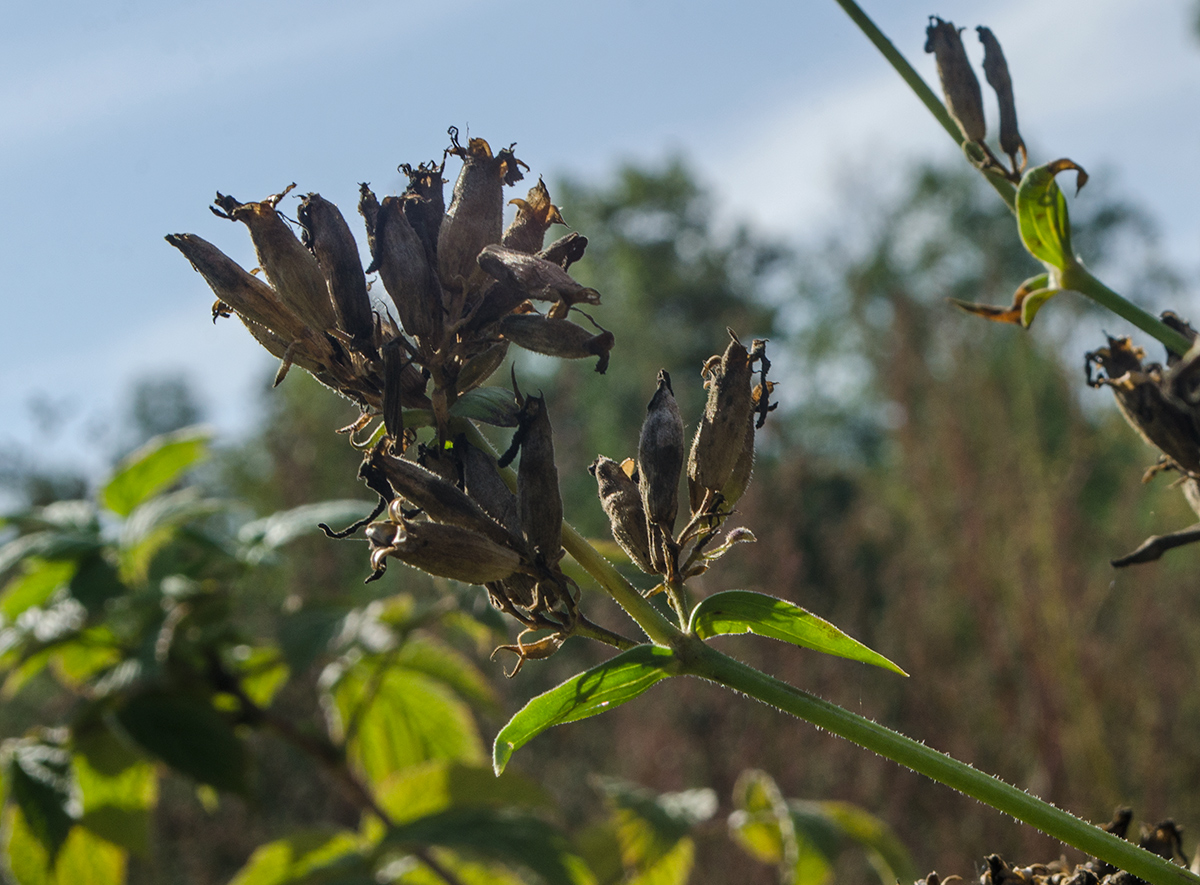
(263, 673)
(36, 584)
(410, 871)
(885, 851)
(189, 735)
(649, 825)
(303, 857)
(1033, 303)
(491, 405)
(1042, 218)
(40, 785)
(84, 859)
(741, 611)
(672, 868)
(514, 838)
(119, 789)
(439, 661)
(397, 717)
(305, 635)
(438, 785)
(601, 688)
(154, 467)
(278, 529)
(95, 582)
(51, 544)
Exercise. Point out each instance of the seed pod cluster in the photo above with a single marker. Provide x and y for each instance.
(1163, 406)
(641, 499)
(411, 338)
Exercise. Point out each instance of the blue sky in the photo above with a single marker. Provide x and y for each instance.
(122, 119)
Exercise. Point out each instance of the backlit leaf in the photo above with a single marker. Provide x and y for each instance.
(438, 785)
(491, 405)
(302, 857)
(154, 467)
(741, 611)
(601, 688)
(1042, 217)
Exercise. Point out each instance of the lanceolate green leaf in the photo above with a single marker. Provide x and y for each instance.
(302, 857)
(436, 786)
(601, 688)
(1042, 217)
(741, 611)
(491, 405)
(885, 851)
(153, 467)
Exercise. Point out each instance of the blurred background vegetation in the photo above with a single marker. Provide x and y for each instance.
(945, 490)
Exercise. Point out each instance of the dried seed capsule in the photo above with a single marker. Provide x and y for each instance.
(622, 502)
(292, 272)
(560, 338)
(720, 439)
(565, 251)
(425, 202)
(448, 551)
(329, 238)
(476, 213)
(539, 279)
(481, 366)
(394, 363)
(534, 216)
(539, 501)
(1146, 399)
(483, 483)
(443, 502)
(995, 68)
(964, 98)
(660, 456)
(404, 266)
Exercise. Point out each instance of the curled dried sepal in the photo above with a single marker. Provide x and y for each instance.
(995, 68)
(425, 201)
(291, 270)
(535, 214)
(441, 549)
(621, 499)
(720, 439)
(560, 338)
(476, 213)
(533, 651)
(406, 268)
(964, 98)
(328, 237)
(565, 251)
(1151, 400)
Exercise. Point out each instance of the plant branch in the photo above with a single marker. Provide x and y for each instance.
(927, 96)
(1077, 278)
(703, 661)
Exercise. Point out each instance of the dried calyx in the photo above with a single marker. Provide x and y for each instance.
(461, 289)
(1163, 406)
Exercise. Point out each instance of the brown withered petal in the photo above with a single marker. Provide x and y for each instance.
(476, 214)
(554, 337)
(442, 549)
(540, 279)
(404, 266)
(660, 456)
(995, 68)
(535, 214)
(1145, 397)
(539, 501)
(329, 238)
(291, 270)
(622, 502)
(964, 98)
(441, 501)
(425, 201)
(720, 438)
(565, 251)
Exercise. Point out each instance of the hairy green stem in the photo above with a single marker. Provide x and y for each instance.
(927, 96)
(700, 660)
(1078, 279)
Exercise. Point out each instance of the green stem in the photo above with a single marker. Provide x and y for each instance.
(1078, 279)
(700, 660)
(918, 85)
